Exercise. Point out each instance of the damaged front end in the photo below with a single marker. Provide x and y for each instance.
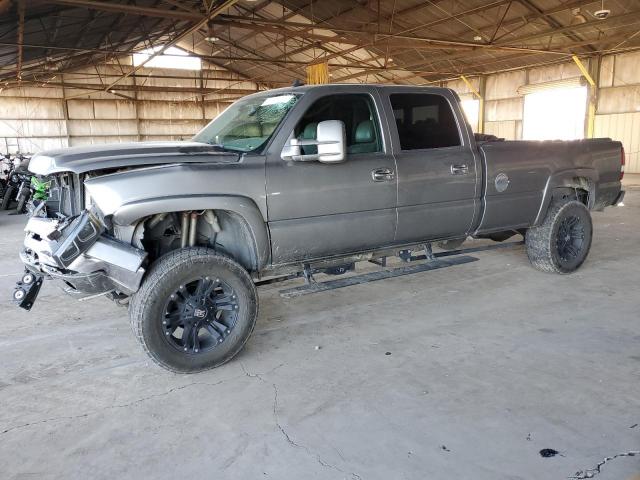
(79, 254)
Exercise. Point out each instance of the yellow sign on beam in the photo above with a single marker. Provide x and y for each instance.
(317, 73)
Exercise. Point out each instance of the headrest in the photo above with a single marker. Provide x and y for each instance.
(310, 131)
(365, 132)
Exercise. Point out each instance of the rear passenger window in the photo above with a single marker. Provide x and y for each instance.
(357, 113)
(424, 121)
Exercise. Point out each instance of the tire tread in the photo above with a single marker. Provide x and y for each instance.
(158, 272)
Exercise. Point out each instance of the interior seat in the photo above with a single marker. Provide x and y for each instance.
(364, 139)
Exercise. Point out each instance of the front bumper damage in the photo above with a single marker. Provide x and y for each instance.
(80, 257)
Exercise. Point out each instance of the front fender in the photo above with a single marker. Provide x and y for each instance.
(132, 195)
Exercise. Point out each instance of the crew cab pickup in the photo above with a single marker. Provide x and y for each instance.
(293, 179)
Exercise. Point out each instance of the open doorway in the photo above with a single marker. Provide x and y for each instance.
(471, 108)
(555, 114)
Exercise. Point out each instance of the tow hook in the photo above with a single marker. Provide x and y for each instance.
(27, 289)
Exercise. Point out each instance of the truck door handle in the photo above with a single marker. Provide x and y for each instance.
(459, 169)
(382, 175)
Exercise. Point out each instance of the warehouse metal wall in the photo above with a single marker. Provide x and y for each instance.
(618, 100)
(54, 115)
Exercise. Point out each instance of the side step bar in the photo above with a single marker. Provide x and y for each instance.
(315, 287)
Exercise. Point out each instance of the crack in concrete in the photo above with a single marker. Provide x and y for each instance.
(293, 443)
(592, 472)
(113, 407)
(285, 434)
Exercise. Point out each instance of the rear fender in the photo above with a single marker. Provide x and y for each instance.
(582, 178)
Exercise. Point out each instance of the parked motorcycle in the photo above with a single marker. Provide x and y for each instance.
(18, 181)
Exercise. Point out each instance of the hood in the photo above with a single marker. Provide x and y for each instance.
(119, 155)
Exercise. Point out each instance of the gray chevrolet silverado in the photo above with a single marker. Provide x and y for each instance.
(289, 180)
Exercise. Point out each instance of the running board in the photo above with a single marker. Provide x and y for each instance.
(315, 287)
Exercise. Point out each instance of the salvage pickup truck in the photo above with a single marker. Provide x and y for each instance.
(294, 179)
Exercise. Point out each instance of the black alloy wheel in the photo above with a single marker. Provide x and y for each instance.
(200, 315)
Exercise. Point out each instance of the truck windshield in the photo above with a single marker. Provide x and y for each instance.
(248, 123)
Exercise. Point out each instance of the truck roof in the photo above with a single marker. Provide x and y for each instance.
(345, 87)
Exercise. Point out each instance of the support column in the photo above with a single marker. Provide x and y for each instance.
(592, 75)
(482, 90)
(65, 111)
(479, 94)
(135, 106)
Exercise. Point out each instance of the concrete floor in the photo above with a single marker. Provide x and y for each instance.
(487, 364)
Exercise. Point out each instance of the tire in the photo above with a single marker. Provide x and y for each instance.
(7, 198)
(563, 240)
(169, 294)
(21, 203)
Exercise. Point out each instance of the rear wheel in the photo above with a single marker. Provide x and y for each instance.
(194, 311)
(562, 242)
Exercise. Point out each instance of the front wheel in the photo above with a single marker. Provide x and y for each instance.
(563, 240)
(194, 311)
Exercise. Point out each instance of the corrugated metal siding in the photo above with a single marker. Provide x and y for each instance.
(626, 128)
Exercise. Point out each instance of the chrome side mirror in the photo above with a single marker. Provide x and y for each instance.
(330, 140)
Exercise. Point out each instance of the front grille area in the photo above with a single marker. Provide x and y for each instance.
(64, 196)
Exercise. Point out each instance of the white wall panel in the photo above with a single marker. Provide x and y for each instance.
(507, 109)
(32, 128)
(509, 130)
(180, 127)
(169, 110)
(619, 99)
(103, 127)
(504, 85)
(554, 72)
(606, 71)
(626, 71)
(624, 127)
(30, 108)
(80, 141)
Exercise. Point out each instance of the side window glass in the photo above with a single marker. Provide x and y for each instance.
(360, 121)
(424, 121)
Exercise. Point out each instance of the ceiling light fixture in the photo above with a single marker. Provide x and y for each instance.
(603, 13)
(211, 36)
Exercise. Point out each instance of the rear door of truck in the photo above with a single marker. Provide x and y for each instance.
(438, 167)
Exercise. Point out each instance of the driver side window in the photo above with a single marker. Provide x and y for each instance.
(355, 111)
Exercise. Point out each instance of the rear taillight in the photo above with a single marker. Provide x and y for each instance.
(622, 162)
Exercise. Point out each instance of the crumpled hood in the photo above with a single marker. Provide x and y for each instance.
(117, 155)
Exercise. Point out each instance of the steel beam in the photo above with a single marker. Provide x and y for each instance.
(130, 9)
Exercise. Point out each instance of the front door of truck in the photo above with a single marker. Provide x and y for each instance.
(438, 171)
(317, 209)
